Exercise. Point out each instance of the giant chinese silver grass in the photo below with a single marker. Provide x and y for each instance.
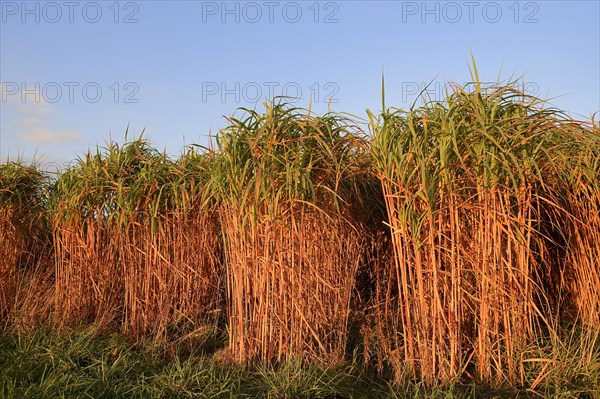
(466, 182)
(135, 242)
(25, 258)
(579, 221)
(292, 246)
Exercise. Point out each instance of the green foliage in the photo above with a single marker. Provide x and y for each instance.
(491, 205)
(286, 154)
(23, 192)
(115, 183)
(85, 363)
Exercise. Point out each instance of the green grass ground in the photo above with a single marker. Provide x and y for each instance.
(85, 364)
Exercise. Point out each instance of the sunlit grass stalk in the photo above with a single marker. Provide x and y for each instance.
(136, 243)
(24, 238)
(579, 212)
(292, 244)
(464, 181)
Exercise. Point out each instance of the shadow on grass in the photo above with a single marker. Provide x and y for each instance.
(87, 363)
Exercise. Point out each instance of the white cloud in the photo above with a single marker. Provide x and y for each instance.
(42, 135)
(32, 120)
(27, 122)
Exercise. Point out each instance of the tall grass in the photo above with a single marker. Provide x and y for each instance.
(293, 243)
(24, 239)
(466, 182)
(580, 213)
(458, 243)
(135, 241)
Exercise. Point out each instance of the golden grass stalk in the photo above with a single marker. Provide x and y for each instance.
(136, 242)
(292, 247)
(24, 236)
(466, 182)
(579, 212)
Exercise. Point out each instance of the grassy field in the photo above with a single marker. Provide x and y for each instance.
(86, 364)
(447, 250)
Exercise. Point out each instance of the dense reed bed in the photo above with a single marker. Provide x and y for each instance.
(294, 241)
(25, 256)
(579, 203)
(136, 241)
(473, 185)
(454, 242)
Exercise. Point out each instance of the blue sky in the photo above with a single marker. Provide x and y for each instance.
(75, 73)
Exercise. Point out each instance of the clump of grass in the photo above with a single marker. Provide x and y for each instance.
(25, 257)
(293, 243)
(486, 273)
(84, 363)
(136, 243)
(194, 238)
(565, 365)
(467, 182)
(579, 219)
